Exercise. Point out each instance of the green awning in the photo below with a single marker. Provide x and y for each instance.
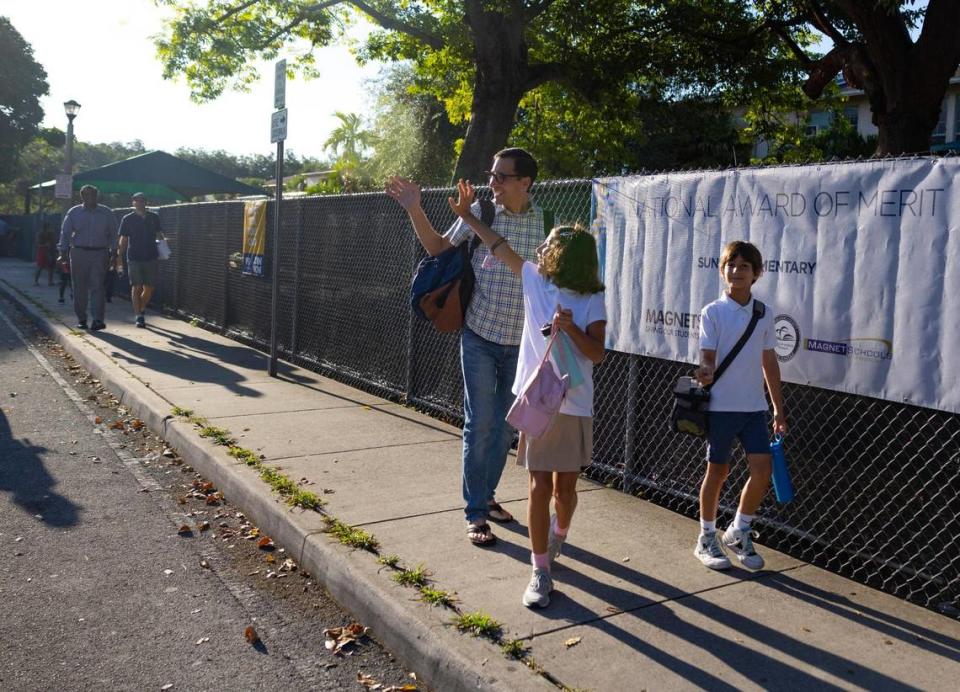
(160, 176)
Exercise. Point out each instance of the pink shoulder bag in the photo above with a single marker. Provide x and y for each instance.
(534, 408)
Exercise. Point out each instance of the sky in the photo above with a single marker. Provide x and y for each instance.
(100, 54)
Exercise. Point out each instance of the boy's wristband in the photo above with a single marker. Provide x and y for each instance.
(493, 248)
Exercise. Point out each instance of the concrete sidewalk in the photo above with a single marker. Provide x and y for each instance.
(645, 612)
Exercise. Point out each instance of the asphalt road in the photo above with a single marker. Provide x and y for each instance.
(101, 587)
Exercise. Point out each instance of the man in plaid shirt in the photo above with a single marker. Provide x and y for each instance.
(490, 341)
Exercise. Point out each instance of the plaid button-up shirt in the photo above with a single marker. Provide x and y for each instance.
(496, 310)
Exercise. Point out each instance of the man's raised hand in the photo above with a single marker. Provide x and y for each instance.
(465, 197)
(406, 192)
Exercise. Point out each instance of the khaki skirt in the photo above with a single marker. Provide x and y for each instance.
(567, 446)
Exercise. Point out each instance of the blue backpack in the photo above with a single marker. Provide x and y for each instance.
(443, 284)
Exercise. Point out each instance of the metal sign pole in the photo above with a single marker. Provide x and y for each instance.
(275, 277)
(278, 133)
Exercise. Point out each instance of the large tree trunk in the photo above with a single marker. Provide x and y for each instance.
(906, 128)
(905, 81)
(500, 54)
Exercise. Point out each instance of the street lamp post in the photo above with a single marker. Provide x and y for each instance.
(70, 108)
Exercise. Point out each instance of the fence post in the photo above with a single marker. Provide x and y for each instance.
(178, 265)
(295, 317)
(410, 321)
(224, 267)
(630, 433)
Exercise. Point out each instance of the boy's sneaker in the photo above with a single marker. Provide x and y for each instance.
(741, 543)
(141, 321)
(555, 542)
(710, 553)
(538, 590)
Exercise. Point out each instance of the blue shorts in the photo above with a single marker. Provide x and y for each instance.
(726, 426)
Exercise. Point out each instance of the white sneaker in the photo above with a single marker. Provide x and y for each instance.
(554, 542)
(710, 553)
(741, 543)
(538, 590)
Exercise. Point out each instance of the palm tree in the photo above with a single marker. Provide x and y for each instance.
(349, 138)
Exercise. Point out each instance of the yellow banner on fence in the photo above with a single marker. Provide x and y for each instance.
(254, 237)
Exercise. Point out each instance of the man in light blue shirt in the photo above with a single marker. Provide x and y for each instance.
(89, 240)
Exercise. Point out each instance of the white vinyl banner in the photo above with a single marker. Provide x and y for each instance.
(861, 268)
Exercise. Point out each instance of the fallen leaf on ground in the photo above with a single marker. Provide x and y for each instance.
(201, 640)
(203, 526)
(367, 681)
(136, 424)
(117, 425)
(340, 637)
(270, 558)
(265, 544)
(572, 641)
(98, 420)
(204, 564)
(250, 635)
(184, 530)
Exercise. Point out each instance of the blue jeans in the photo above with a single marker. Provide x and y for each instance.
(488, 372)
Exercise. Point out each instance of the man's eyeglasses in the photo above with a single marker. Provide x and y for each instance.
(500, 177)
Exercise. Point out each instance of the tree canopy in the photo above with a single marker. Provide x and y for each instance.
(22, 82)
(904, 79)
(483, 56)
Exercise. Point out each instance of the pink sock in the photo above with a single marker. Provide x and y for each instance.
(541, 560)
(555, 527)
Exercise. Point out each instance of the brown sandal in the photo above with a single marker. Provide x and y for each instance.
(498, 513)
(480, 534)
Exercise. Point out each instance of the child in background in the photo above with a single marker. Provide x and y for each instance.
(63, 268)
(738, 406)
(46, 257)
(564, 289)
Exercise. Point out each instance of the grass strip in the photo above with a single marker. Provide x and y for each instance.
(350, 536)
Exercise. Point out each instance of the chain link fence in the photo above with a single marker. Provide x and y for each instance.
(878, 483)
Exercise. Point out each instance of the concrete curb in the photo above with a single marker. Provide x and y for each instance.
(418, 634)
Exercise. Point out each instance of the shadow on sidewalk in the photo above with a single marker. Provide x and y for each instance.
(241, 356)
(667, 616)
(173, 362)
(23, 474)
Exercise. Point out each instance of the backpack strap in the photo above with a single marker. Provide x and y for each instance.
(488, 212)
(759, 309)
(548, 220)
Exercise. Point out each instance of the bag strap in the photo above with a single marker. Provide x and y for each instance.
(547, 221)
(488, 212)
(546, 353)
(758, 311)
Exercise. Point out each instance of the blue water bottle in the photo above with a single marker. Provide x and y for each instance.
(782, 485)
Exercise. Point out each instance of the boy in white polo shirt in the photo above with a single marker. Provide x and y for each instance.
(738, 406)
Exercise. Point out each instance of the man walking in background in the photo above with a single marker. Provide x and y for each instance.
(88, 240)
(139, 231)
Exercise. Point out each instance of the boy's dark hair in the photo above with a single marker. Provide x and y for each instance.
(744, 250)
(523, 162)
(570, 260)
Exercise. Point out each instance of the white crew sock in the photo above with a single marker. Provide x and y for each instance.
(742, 522)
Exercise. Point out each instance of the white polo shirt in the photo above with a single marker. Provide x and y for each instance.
(722, 323)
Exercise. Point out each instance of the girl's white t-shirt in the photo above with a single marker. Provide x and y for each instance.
(540, 300)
